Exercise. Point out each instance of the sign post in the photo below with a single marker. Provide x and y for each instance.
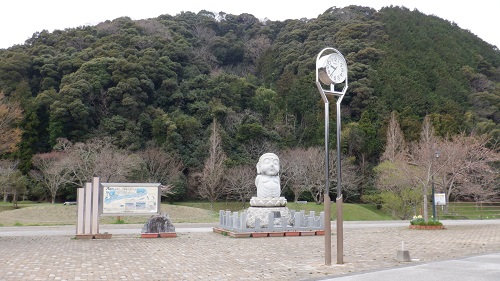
(114, 199)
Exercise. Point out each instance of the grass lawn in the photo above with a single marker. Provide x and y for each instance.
(33, 213)
(352, 212)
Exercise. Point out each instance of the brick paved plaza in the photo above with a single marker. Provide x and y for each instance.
(204, 255)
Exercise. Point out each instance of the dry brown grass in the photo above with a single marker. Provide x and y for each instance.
(59, 214)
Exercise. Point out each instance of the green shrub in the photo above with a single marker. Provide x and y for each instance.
(418, 220)
(119, 221)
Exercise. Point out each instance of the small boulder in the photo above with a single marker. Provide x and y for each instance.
(157, 224)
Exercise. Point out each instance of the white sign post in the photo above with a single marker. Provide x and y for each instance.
(113, 199)
(440, 199)
(87, 224)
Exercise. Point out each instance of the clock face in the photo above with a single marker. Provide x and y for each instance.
(334, 69)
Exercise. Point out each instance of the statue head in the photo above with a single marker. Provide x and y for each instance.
(269, 165)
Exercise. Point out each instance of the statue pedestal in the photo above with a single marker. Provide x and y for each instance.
(263, 213)
(268, 202)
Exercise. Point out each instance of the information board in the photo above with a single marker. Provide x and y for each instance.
(440, 199)
(120, 199)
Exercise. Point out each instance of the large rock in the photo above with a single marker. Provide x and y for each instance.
(157, 224)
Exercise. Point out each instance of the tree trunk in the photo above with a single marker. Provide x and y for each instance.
(447, 196)
(14, 199)
(426, 213)
(318, 198)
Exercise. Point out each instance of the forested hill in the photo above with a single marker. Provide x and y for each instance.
(164, 80)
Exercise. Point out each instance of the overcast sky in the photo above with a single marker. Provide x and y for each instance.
(19, 19)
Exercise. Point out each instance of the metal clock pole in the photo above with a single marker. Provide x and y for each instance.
(330, 70)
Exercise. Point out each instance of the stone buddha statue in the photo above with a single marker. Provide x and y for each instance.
(268, 179)
(267, 182)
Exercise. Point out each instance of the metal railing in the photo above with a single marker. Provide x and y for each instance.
(469, 210)
(301, 222)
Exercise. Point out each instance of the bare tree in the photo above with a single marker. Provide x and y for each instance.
(82, 158)
(255, 148)
(395, 142)
(397, 193)
(414, 165)
(156, 165)
(478, 188)
(315, 172)
(113, 164)
(207, 36)
(468, 172)
(17, 184)
(10, 135)
(7, 168)
(97, 158)
(293, 171)
(422, 165)
(350, 177)
(210, 179)
(462, 166)
(304, 169)
(52, 169)
(240, 182)
(389, 176)
(257, 46)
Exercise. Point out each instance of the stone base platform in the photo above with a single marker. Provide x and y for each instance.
(94, 236)
(159, 235)
(264, 213)
(233, 234)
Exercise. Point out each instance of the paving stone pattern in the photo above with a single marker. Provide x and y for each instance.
(211, 256)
